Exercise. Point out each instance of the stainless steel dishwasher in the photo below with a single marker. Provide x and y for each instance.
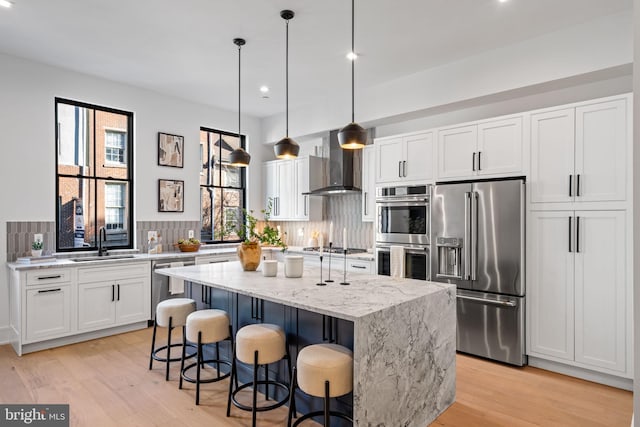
(160, 283)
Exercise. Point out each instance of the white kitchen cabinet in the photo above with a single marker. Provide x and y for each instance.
(48, 312)
(368, 183)
(113, 295)
(580, 154)
(278, 179)
(492, 147)
(577, 289)
(404, 159)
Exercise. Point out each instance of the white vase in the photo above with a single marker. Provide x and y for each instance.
(36, 252)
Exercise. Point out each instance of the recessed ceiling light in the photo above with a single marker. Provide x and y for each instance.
(264, 89)
(6, 3)
(352, 56)
(503, 1)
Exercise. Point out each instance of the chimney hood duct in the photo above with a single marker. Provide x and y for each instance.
(345, 169)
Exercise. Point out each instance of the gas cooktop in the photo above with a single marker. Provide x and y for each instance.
(336, 250)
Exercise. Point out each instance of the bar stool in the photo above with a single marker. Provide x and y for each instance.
(206, 327)
(171, 314)
(323, 370)
(259, 344)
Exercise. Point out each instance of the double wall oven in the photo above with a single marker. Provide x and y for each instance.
(403, 219)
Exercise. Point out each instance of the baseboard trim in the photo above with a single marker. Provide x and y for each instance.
(584, 374)
(5, 335)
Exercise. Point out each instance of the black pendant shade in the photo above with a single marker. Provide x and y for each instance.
(352, 136)
(239, 157)
(286, 148)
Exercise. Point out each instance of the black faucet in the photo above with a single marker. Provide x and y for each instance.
(102, 234)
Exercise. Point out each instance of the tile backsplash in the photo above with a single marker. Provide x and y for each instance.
(344, 211)
(170, 231)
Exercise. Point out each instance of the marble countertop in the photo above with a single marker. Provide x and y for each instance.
(367, 294)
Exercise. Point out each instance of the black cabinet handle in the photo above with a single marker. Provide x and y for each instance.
(49, 290)
(479, 157)
(400, 169)
(404, 168)
(570, 250)
(57, 276)
(473, 161)
(361, 267)
(118, 292)
(570, 185)
(578, 185)
(577, 234)
(113, 293)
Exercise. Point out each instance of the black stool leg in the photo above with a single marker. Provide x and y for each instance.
(266, 378)
(218, 358)
(153, 344)
(198, 363)
(166, 377)
(184, 353)
(255, 389)
(292, 398)
(292, 377)
(327, 411)
(233, 377)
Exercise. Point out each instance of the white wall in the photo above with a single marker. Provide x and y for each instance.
(27, 164)
(598, 45)
(636, 210)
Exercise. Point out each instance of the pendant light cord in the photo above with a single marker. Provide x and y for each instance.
(239, 83)
(353, 63)
(287, 80)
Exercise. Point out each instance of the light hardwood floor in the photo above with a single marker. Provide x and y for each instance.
(106, 383)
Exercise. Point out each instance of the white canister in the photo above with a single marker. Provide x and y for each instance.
(269, 267)
(293, 265)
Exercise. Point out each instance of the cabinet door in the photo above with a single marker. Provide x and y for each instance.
(270, 180)
(550, 292)
(96, 305)
(285, 194)
(48, 312)
(552, 156)
(301, 185)
(368, 183)
(456, 152)
(132, 297)
(601, 160)
(600, 289)
(500, 147)
(389, 157)
(418, 155)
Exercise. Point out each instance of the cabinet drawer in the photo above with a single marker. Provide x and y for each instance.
(214, 259)
(48, 276)
(359, 266)
(113, 272)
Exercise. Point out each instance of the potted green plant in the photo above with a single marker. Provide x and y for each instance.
(249, 250)
(36, 248)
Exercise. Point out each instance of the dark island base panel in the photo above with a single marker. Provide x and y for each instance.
(302, 327)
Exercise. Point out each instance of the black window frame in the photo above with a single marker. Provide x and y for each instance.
(243, 181)
(94, 178)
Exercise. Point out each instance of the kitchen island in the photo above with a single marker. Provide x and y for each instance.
(404, 334)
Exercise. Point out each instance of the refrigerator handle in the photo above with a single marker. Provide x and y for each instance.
(474, 235)
(467, 236)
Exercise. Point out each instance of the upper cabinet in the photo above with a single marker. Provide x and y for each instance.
(368, 183)
(579, 154)
(405, 158)
(285, 182)
(486, 148)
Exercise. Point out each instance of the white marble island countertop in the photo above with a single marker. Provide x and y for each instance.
(366, 294)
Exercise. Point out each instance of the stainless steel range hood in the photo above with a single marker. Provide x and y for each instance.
(345, 169)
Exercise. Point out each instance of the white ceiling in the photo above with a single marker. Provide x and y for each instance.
(184, 48)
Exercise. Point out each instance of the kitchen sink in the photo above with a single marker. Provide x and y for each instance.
(101, 258)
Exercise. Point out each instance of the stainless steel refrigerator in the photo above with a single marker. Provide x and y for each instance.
(478, 237)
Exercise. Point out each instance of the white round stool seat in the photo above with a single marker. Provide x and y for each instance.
(214, 325)
(177, 308)
(269, 340)
(325, 362)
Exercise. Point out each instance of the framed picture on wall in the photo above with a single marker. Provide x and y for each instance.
(170, 195)
(170, 150)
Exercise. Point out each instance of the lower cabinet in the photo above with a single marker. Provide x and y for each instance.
(119, 298)
(48, 312)
(578, 289)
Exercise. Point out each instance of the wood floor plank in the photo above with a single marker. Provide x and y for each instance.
(107, 383)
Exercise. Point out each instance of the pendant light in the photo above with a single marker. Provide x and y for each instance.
(287, 148)
(352, 136)
(239, 157)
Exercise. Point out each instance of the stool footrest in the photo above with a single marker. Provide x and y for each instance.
(260, 408)
(321, 414)
(155, 356)
(209, 380)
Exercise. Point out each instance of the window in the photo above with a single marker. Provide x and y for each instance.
(114, 146)
(222, 186)
(94, 183)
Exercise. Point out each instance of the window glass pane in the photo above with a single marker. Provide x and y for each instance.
(75, 140)
(113, 214)
(206, 220)
(111, 152)
(227, 144)
(232, 212)
(76, 204)
(206, 168)
(115, 147)
(231, 176)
